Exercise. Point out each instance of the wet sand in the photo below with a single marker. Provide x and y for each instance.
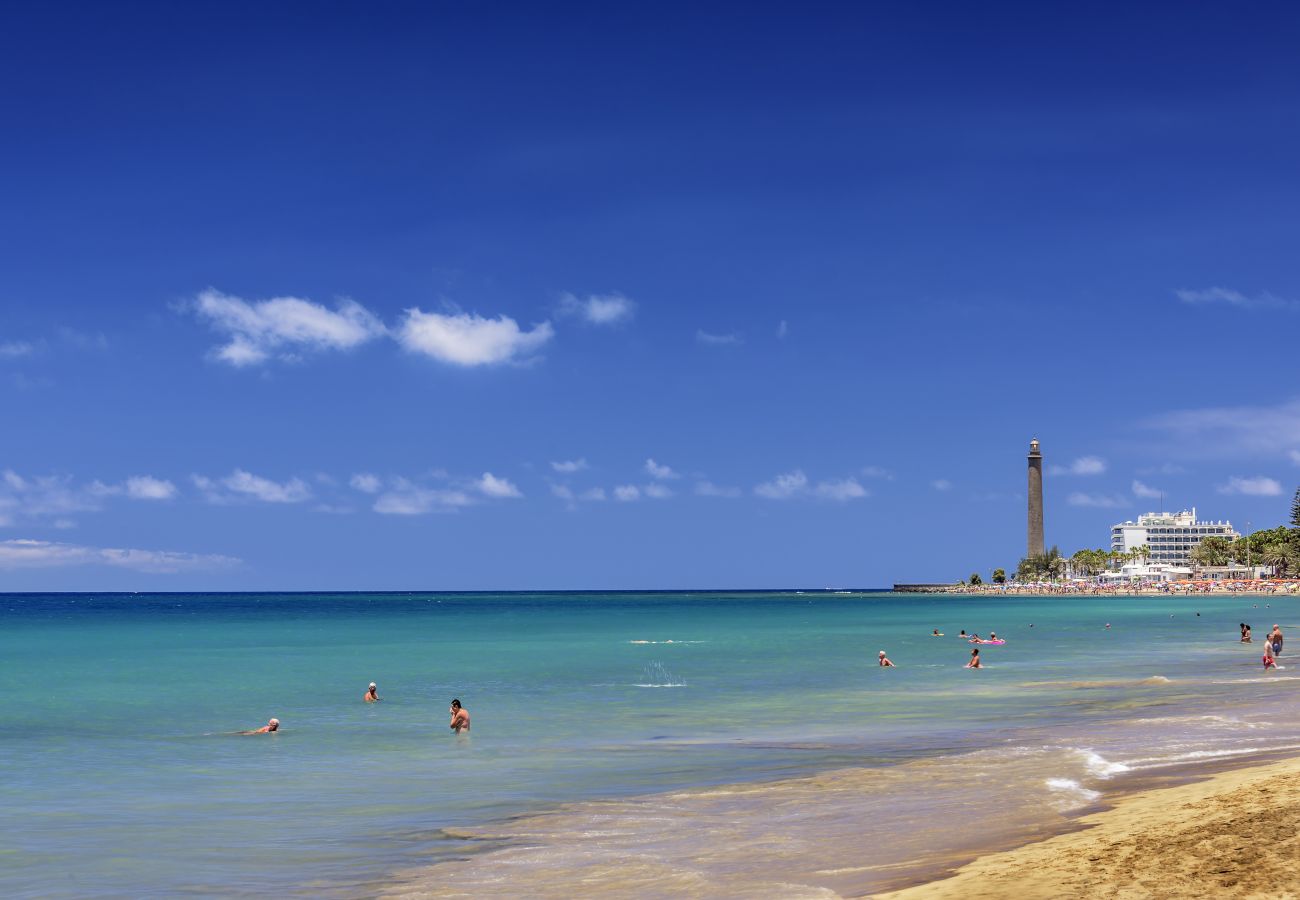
(1236, 834)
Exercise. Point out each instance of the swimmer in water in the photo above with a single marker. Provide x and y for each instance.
(1269, 661)
(936, 633)
(272, 726)
(963, 633)
(974, 659)
(884, 660)
(372, 694)
(459, 717)
(993, 635)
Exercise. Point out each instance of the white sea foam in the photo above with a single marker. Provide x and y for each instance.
(1099, 766)
(1073, 794)
(659, 685)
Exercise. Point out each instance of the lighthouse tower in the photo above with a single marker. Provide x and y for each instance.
(1035, 499)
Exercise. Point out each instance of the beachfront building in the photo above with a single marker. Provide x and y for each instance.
(1171, 537)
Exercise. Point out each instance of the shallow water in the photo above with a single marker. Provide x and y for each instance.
(717, 743)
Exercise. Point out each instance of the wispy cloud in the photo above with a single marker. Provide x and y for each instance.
(243, 485)
(569, 466)
(941, 484)
(595, 495)
(146, 487)
(1230, 431)
(1084, 465)
(1104, 501)
(795, 484)
(658, 471)
(657, 491)
(877, 472)
(1164, 469)
(1259, 486)
(29, 554)
(718, 340)
(1295, 456)
(407, 499)
(627, 493)
(465, 339)
(709, 489)
(500, 488)
(283, 326)
(598, 309)
(1229, 297)
(366, 483)
(845, 489)
(16, 349)
(782, 330)
(1146, 491)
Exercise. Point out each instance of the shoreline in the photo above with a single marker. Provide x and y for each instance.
(1230, 832)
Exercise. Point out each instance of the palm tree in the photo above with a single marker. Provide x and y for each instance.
(1281, 557)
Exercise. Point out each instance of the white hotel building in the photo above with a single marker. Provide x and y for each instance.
(1171, 536)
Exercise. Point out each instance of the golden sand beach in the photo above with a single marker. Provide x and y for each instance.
(1234, 835)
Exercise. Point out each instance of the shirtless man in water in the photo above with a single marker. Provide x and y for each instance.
(273, 725)
(1275, 638)
(974, 659)
(372, 694)
(459, 717)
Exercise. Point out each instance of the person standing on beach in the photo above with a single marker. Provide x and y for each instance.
(459, 717)
(884, 660)
(372, 694)
(974, 659)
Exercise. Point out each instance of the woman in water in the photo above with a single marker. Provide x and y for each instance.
(974, 659)
(884, 660)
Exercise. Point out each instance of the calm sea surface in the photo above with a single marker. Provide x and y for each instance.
(709, 743)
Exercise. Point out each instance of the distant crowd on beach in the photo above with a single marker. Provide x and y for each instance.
(459, 714)
(1288, 586)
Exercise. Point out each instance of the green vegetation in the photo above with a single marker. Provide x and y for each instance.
(975, 578)
(999, 576)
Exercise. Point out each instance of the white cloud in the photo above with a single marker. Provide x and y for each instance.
(595, 494)
(241, 485)
(941, 484)
(29, 554)
(627, 493)
(1258, 486)
(50, 495)
(256, 330)
(598, 309)
(848, 489)
(1084, 465)
(365, 482)
(407, 499)
(569, 466)
(464, 339)
(1231, 431)
(709, 489)
(492, 486)
(794, 484)
(657, 491)
(783, 487)
(1295, 456)
(660, 472)
(1105, 501)
(1166, 469)
(1142, 490)
(146, 487)
(562, 491)
(877, 472)
(247, 484)
(16, 349)
(1230, 297)
(782, 330)
(717, 340)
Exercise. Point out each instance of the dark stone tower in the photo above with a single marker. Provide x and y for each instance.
(1035, 499)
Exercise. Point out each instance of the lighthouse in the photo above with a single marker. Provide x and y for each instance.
(1035, 499)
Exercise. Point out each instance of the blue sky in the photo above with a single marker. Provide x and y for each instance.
(476, 296)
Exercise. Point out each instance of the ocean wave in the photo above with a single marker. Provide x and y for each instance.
(1075, 794)
(1099, 766)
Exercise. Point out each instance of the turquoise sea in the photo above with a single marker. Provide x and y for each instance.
(654, 744)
